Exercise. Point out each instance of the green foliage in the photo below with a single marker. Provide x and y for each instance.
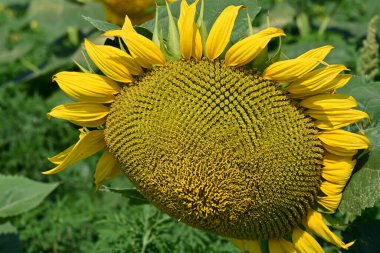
(27, 137)
(363, 190)
(368, 63)
(39, 36)
(20, 194)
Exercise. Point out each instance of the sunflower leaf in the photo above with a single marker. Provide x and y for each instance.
(101, 25)
(19, 194)
(363, 190)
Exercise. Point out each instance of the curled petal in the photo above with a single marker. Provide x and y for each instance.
(329, 102)
(338, 172)
(143, 50)
(88, 144)
(314, 222)
(330, 188)
(330, 202)
(247, 49)
(113, 62)
(220, 33)
(59, 158)
(106, 169)
(81, 113)
(289, 70)
(87, 87)
(305, 243)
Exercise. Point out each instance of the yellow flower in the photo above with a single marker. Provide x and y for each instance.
(214, 143)
(138, 11)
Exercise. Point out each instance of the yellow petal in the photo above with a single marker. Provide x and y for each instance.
(330, 202)
(127, 26)
(59, 158)
(81, 113)
(289, 70)
(330, 188)
(88, 144)
(344, 140)
(338, 82)
(281, 246)
(184, 9)
(338, 172)
(246, 246)
(319, 53)
(315, 80)
(87, 87)
(305, 243)
(220, 33)
(334, 119)
(329, 102)
(113, 62)
(188, 31)
(106, 169)
(340, 151)
(247, 49)
(143, 50)
(314, 222)
(197, 47)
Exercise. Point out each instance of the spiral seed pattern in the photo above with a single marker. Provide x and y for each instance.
(218, 148)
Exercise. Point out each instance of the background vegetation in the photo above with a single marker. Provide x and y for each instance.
(41, 37)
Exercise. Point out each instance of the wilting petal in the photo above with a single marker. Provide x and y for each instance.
(113, 62)
(87, 87)
(281, 246)
(247, 246)
(220, 33)
(106, 169)
(289, 70)
(88, 144)
(314, 222)
(344, 140)
(330, 202)
(143, 50)
(188, 31)
(315, 80)
(81, 113)
(338, 172)
(127, 26)
(305, 243)
(329, 102)
(247, 49)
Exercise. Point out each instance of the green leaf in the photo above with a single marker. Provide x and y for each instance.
(101, 25)
(135, 197)
(363, 190)
(7, 228)
(19, 194)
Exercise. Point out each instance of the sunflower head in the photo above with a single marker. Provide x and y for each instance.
(213, 137)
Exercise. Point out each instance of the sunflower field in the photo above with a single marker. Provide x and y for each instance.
(190, 126)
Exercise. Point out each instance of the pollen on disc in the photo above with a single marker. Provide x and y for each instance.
(218, 148)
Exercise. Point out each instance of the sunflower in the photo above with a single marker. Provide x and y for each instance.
(214, 136)
(138, 11)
